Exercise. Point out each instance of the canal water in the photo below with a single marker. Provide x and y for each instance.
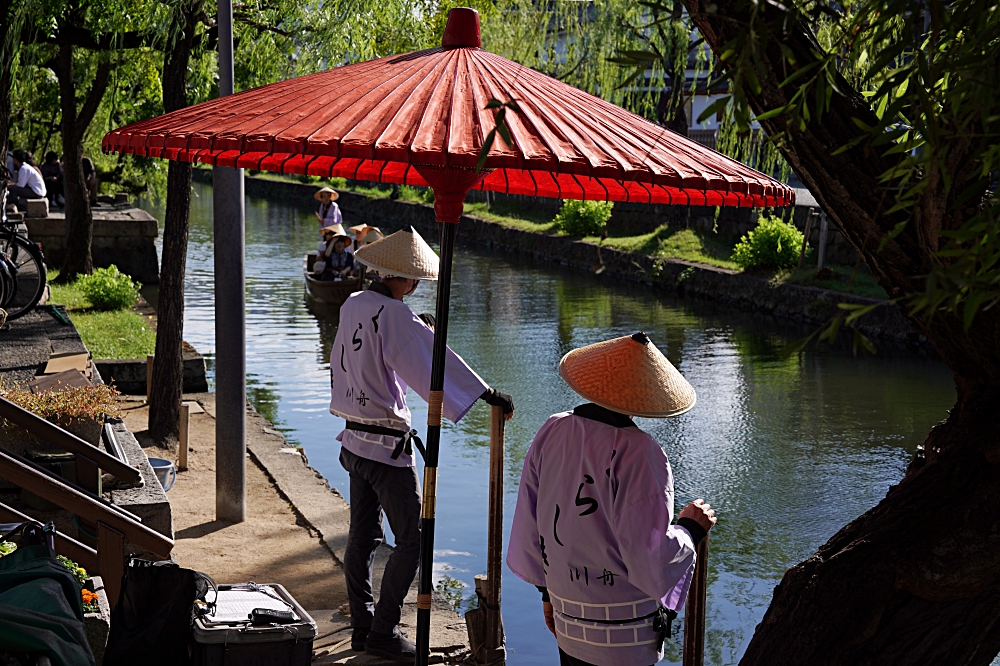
(788, 450)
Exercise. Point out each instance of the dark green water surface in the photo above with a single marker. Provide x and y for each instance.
(789, 450)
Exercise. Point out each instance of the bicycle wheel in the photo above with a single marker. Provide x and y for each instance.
(29, 275)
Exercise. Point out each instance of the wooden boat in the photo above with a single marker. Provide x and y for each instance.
(331, 293)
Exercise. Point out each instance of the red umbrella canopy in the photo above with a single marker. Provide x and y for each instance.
(388, 119)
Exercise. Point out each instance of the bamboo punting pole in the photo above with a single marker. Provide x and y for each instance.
(694, 614)
(494, 545)
(182, 451)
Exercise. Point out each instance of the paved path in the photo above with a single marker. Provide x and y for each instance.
(321, 510)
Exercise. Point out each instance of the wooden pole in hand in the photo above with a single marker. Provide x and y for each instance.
(495, 652)
(694, 614)
(182, 452)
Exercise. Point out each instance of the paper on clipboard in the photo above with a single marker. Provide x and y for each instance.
(234, 606)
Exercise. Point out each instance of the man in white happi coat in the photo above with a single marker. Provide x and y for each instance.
(592, 528)
(381, 348)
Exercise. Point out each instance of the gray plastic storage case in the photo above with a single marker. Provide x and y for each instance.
(244, 645)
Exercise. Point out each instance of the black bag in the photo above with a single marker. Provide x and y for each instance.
(151, 625)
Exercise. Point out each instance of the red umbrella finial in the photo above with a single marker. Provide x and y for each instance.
(462, 30)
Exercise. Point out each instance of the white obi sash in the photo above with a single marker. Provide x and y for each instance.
(589, 623)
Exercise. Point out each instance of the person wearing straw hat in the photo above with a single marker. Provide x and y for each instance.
(364, 233)
(381, 348)
(592, 527)
(329, 212)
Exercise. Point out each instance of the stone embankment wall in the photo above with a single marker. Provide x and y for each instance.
(123, 235)
(749, 292)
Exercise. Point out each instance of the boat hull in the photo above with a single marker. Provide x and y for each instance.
(330, 293)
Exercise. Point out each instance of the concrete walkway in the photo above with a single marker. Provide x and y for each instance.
(295, 534)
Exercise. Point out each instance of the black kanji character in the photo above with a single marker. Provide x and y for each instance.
(355, 340)
(554, 523)
(342, 358)
(541, 544)
(362, 399)
(586, 501)
(608, 578)
(375, 318)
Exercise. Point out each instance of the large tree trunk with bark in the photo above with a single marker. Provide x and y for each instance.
(916, 580)
(168, 367)
(79, 218)
(7, 51)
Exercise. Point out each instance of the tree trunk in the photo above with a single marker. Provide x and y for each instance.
(916, 580)
(79, 218)
(168, 366)
(7, 50)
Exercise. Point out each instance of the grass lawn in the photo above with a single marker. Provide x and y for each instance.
(702, 247)
(115, 334)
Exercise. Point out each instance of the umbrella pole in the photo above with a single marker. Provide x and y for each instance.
(448, 233)
(450, 187)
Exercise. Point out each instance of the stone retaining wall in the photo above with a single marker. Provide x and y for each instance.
(749, 292)
(123, 235)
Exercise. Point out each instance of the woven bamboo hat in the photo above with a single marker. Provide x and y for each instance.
(360, 230)
(374, 234)
(628, 375)
(334, 195)
(402, 254)
(337, 230)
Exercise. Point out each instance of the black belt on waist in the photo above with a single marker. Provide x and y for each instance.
(405, 438)
(663, 619)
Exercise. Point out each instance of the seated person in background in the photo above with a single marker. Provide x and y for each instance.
(29, 183)
(53, 176)
(334, 262)
(11, 171)
(90, 178)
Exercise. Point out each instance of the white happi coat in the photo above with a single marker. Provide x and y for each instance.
(592, 524)
(381, 348)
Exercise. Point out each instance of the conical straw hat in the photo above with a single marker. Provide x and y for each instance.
(403, 254)
(628, 375)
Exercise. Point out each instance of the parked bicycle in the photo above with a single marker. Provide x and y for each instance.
(22, 268)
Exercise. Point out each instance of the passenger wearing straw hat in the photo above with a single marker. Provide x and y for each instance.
(592, 528)
(382, 348)
(329, 212)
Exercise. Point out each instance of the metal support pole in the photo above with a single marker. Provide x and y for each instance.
(425, 588)
(824, 230)
(230, 313)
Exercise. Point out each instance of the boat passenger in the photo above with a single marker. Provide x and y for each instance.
(329, 212)
(592, 527)
(365, 234)
(382, 348)
(329, 233)
(333, 262)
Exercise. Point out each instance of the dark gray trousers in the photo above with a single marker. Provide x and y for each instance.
(377, 487)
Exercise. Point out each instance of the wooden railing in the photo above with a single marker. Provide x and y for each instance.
(113, 525)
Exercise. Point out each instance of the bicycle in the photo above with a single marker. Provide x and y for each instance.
(22, 268)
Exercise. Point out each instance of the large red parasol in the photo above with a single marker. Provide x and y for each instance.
(421, 119)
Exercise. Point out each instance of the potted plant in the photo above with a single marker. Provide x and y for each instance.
(80, 410)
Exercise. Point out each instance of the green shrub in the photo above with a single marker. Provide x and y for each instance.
(773, 244)
(583, 218)
(109, 289)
